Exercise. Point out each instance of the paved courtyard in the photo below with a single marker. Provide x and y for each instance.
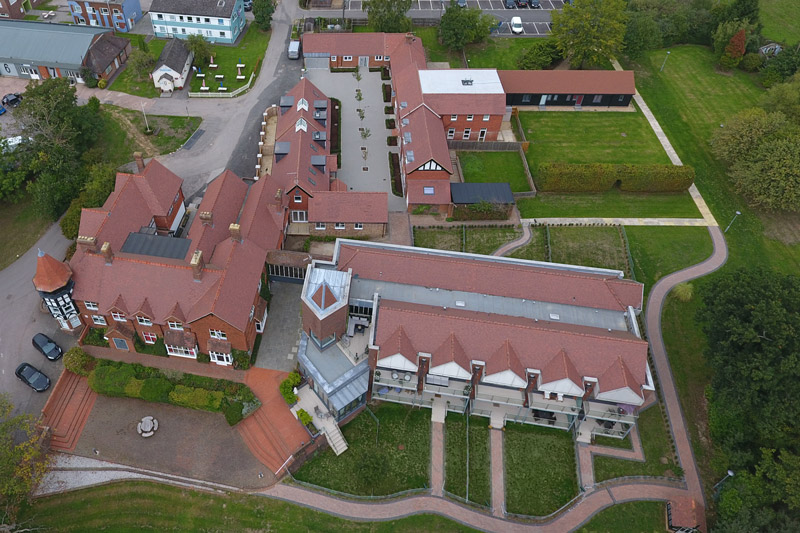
(342, 86)
(278, 350)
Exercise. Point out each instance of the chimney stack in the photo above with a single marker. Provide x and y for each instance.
(137, 156)
(206, 218)
(409, 37)
(197, 265)
(278, 194)
(107, 253)
(236, 232)
(88, 244)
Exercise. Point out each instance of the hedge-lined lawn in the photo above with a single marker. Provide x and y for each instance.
(656, 442)
(536, 249)
(250, 51)
(631, 517)
(455, 433)
(661, 250)
(540, 469)
(400, 460)
(436, 51)
(475, 240)
(611, 442)
(501, 53)
(609, 204)
(494, 167)
(127, 82)
(599, 246)
(139, 505)
(586, 137)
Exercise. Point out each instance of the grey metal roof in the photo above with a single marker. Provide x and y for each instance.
(156, 245)
(333, 371)
(46, 43)
(318, 160)
(320, 104)
(474, 193)
(287, 101)
(208, 8)
(174, 55)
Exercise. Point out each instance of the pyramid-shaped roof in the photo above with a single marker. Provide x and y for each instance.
(324, 296)
(51, 274)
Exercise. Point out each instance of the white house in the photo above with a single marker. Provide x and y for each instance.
(172, 67)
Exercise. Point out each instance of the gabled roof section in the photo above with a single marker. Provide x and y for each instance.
(429, 141)
(618, 376)
(397, 343)
(51, 274)
(324, 296)
(349, 207)
(262, 215)
(119, 305)
(505, 358)
(59, 44)
(223, 199)
(209, 8)
(174, 55)
(145, 309)
(177, 313)
(158, 186)
(560, 368)
(451, 351)
(567, 81)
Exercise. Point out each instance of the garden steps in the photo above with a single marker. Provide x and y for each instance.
(336, 440)
(67, 410)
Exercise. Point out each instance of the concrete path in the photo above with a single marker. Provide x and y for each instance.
(437, 458)
(615, 221)
(498, 472)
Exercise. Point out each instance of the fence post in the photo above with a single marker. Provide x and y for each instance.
(463, 237)
(467, 457)
(366, 407)
(549, 248)
(624, 235)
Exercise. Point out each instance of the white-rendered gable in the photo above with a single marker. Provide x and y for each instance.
(450, 370)
(397, 362)
(506, 378)
(562, 386)
(623, 395)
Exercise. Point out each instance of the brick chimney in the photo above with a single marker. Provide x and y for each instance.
(206, 218)
(88, 244)
(197, 265)
(107, 253)
(410, 37)
(137, 156)
(278, 194)
(236, 232)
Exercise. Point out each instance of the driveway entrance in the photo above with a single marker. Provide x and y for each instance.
(278, 350)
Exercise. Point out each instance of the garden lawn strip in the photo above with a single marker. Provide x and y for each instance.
(609, 204)
(538, 458)
(250, 51)
(656, 443)
(611, 442)
(494, 167)
(781, 20)
(127, 82)
(631, 517)
(501, 53)
(600, 247)
(456, 457)
(435, 50)
(536, 249)
(400, 460)
(439, 238)
(485, 240)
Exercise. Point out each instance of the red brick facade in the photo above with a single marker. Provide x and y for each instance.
(462, 122)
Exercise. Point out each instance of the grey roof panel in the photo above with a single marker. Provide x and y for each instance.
(174, 55)
(287, 101)
(208, 8)
(473, 193)
(320, 104)
(156, 245)
(46, 43)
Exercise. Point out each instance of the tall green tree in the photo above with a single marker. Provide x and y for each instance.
(589, 32)
(47, 114)
(641, 33)
(388, 15)
(262, 13)
(540, 55)
(57, 179)
(770, 175)
(735, 141)
(784, 98)
(140, 63)
(463, 26)
(198, 46)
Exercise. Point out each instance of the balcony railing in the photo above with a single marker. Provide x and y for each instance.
(566, 407)
(457, 391)
(619, 431)
(608, 412)
(388, 381)
(499, 398)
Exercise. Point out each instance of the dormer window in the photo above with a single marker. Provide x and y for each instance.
(301, 124)
(119, 317)
(302, 104)
(144, 321)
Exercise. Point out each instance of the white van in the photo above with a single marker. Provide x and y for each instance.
(294, 50)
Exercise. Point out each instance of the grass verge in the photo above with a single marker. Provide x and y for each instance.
(434, 50)
(631, 517)
(455, 456)
(589, 246)
(494, 167)
(501, 53)
(475, 240)
(781, 20)
(610, 204)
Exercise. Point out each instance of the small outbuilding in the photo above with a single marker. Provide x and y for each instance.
(172, 67)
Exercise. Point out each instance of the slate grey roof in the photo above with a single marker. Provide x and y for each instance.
(103, 51)
(207, 8)
(46, 43)
(173, 55)
(473, 193)
(156, 245)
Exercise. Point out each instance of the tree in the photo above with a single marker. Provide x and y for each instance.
(541, 54)
(727, 30)
(23, 461)
(47, 113)
(388, 15)
(770, 175)
(589, 32)
(463, 26)
(140, 63)
(784, 98)
(734, 51)
(641, 33)
(262, 12)
(13, 170)
(198, 46)
(742, 131)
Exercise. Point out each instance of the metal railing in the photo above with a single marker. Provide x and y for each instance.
(348, 496)
(493, 398)
(458, 392)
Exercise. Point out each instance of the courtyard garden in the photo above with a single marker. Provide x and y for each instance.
(472, 239)
(539, 469)
(250, 52)
(494, 167)
(457, 465)
(398, 461)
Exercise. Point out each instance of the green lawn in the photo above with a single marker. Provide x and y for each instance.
(631, 517)
(536, 249)
(501, 53)
(455, 451)
(610, 204)
(600, 246)
(127, 82)
(658, 251)
(494, 167)
(781, 20)
(142, 506)
(439, 238)
(611, 442)
(613, 137)
(540, 469)
(30, 17)
(475, 240)
(656, 444)
(173, 131)
(250, 51)
(400, 461)
(22, 227)
(436, 51)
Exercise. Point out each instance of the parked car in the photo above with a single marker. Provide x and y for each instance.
(47, 347)
(522, 3)
(32, 377)
(248, 5)
(511, 4)
(2, 110)
(534, 4)
(11, 100)
(462, 3)
(516, 25)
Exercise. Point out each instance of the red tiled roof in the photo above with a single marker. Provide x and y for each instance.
(223, 199)
(184, 339)
(398, 342)
(428, 140)
(177, 313)
(489, 276)
(364, 207)
(567, 81)
(451, 351)
(51, 274)
(415, 191)
(145, 309)
(324, 297)
(118, 304)
(262, 215)
(534, 344)
(618, 376)
(561, 367)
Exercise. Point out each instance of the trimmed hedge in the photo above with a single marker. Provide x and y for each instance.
(77, 361)
(599, 177)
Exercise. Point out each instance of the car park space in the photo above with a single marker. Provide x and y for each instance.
(485, 5)
(529, 29)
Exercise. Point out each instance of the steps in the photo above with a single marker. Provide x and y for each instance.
(336, 440)
(438, 410)
(259, 434)
(67, 410)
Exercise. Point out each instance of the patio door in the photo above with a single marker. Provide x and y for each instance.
(363, 61)
(299, 216)
(482, 134)
(578, 100)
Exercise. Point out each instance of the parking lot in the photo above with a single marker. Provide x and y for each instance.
(530, 29)
(485, 5)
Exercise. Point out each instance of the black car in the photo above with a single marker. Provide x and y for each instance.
(32, 377)
(47, 346)
(248, 5)
(12, 100)
(510, 4)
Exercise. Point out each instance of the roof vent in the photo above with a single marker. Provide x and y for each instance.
(403, 105)
(407, 137)
(554, 316)
(466, 81)
(410, 156)
(404, 122)
(461, 303)
(220, 3)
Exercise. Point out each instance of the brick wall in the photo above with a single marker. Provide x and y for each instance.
(370, 230)
(475, 125)
(322, 329)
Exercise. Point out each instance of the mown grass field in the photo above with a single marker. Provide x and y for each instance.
(599, 246)
(632, 517)
(250, 51)
(475, 240)
(781, 20)
(128, 82)
(494, 167)
(455, 455)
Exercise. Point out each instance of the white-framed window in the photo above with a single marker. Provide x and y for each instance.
(378, 58)
(451, 133)
(218, 334)
(104, 10)
(119, 317)
(319, 226)
(470, 117)
(298, 199)
(467, 133)
(252, 312)
(220, 358)
(333, 58)
(180, 18)
(171, 17)
(486, 118)
(453, 117)
(526, 98)
(144, 321)
(386, 58)
(174, 29)
(180, 351)
(175, 325)
(149, 338)
(89, 9)
(116, 11)
(183, 31)
(621, 98)
(188, 19)
(347, 58)
(358, 225)
(121, 344)
(429, 191)
(220, 22)
(91, 306)
(338, 225)
(100, 320)
(222, 34)
(160, 16)
(597, 99)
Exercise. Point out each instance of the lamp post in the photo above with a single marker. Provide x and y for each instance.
(665, 62)
(729, 474)
(726, 231)
(146, 125)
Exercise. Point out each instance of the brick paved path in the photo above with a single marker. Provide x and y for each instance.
(586, 453)
(437, 458)
(509, 247)
(498, 473)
